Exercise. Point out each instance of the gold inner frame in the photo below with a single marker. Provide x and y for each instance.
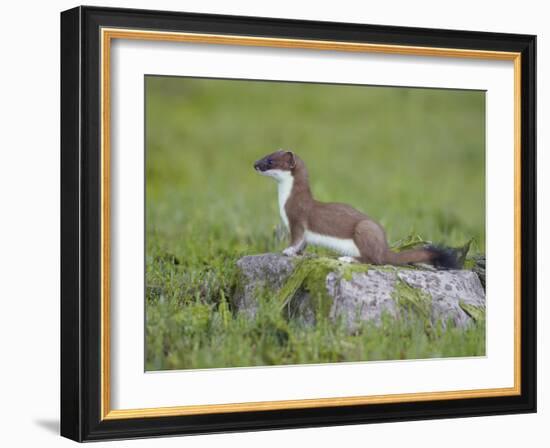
(107, 35)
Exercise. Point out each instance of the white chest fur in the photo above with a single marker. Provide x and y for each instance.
(340, 245)
(285, 182)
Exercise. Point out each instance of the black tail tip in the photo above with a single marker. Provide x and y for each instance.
(449, 257)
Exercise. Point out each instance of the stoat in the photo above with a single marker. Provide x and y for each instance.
(338, 227)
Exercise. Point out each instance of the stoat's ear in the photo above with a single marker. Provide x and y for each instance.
(292, 160)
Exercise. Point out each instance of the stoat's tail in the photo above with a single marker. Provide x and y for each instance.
(441, 257)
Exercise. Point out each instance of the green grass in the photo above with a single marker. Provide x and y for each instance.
(413, 159)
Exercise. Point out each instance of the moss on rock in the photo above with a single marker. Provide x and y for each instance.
(411, 299)
(477, 313)
(310, 274)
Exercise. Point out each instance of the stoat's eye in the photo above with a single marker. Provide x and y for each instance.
(269, 162)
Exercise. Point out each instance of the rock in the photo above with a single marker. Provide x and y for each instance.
(258, 271)
(354, 293)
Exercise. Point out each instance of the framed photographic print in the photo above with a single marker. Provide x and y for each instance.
(272, 223)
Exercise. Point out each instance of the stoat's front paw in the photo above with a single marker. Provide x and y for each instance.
(290, 252)
(347, 259)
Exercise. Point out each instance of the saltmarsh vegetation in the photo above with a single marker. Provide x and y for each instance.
(411, 158)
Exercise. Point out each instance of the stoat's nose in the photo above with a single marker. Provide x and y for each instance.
(257, 165)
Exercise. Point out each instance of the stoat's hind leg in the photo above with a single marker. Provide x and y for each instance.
(371, 242)
(348, 259)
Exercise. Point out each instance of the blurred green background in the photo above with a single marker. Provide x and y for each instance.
(412, 159)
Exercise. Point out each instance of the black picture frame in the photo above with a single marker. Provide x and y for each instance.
(81, 224)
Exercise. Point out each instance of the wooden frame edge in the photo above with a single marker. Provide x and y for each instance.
(305, 403)
(107, 34)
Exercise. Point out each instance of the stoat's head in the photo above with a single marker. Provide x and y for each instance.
(278, 165)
